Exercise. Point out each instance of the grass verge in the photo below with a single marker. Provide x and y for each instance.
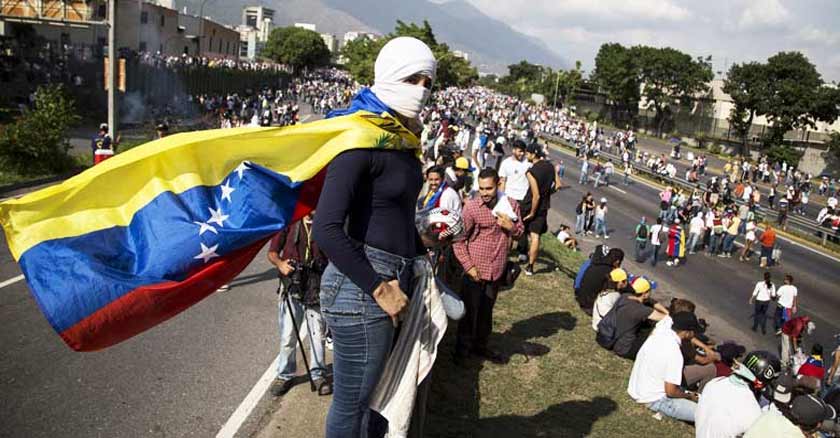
(557, 383)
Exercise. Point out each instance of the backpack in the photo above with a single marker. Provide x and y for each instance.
(579, 208)
(608, 327)
(643, 232)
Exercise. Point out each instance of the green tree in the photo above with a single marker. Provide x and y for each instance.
(297, 47)
(792, 96)
(747, 85)
(616, 74)
(360, 56)
(670, 77)
(567, 84)
(36, 143)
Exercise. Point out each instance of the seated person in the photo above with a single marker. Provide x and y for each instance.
(607, 298)
(632, 311)
(657, 371)
(595, 277)
(565, 237)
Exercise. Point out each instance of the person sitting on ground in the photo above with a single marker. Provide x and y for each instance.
(565, 237)
(607, 298)
(698, 368)
(813, 366)
(728, 352)
(632, 311)
(657, 372)
(728, 405)
(604, 260)
(802, 418)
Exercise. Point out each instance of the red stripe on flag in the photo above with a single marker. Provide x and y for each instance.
(310, 191)
(148, 306)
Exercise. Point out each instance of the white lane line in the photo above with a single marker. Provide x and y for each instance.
(242, 412)
(11, 281)
(618, 189)
(305, 118)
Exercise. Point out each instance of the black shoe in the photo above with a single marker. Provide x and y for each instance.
(280, 387)
(323, 386)
(529, 270)
(492, 356)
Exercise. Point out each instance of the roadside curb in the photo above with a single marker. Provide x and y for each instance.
(784, 234)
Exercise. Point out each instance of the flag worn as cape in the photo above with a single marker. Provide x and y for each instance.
(137, 239)
(676, 242)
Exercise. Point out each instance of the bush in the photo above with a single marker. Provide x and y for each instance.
(779, 153)
(36, 143)
(715, 148)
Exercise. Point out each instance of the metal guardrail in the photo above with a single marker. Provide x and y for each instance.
(797, 223)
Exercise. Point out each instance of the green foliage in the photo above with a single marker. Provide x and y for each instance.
(747, 85)
(616, 74)
(783, 152)
(833, 145)
(299, 48)
(36, 143)
(524, 79)
(360, 56)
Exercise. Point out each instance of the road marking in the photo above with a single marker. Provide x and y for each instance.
(11, 281)
(242, 412)
(305, 118)
(618, 189)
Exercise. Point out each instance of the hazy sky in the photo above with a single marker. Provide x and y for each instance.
(728, 30)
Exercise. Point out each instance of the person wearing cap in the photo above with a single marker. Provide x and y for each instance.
(601, 219)
(365, 226)
(727, 406)
(657, 372)
(457, 174)
(513, 179)
(102, 145)
(542, 181)
(803, 418)
(633, 311)
(617, 285)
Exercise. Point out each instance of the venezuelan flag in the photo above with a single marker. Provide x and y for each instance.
(143, 236)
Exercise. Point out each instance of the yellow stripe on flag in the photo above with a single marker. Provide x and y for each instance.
(110, 193)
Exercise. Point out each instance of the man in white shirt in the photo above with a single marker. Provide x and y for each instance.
(440, 195)
(657, 371)
(788, 296)
(655, 241)
(695, 232)
(727, 407)
(513, 173)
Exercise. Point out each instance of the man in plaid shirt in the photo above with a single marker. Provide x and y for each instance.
(483, 254)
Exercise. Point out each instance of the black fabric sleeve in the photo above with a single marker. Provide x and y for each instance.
(337, 195)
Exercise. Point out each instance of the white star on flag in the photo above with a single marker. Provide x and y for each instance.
(226, 191)
(205, 227)
(207, 253)
(217, 217)
(243, 166)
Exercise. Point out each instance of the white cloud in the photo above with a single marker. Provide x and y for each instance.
(764, 14)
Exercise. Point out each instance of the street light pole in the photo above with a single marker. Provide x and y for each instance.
(112, 69)
(201, 25)
(556, 88)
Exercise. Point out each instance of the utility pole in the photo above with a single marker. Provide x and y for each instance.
(112, 69)
(556, 88)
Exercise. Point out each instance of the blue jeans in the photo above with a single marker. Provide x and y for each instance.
(561, 171)
(729, 242)
(678, 408)
(600, 227)
(638, 248)
(655, 257)
(580, 222)
(362, 339)
(693, 238)
(713, 243)
(314, 328)
(584, 177)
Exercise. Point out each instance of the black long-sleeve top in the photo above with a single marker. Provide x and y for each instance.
(374, 192)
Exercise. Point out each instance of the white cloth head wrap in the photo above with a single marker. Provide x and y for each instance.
(400, 58)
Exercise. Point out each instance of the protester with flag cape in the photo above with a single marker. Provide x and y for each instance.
(365, 225)
(676, 243)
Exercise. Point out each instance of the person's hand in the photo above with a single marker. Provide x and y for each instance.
(527, 218)
(391, 299)
(504, 221)
(285, 267)
(473, 273)
(693, 396)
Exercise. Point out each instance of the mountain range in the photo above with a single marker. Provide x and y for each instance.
(491, 44)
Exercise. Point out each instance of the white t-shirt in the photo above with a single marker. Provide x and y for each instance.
(562, 236)
(763, 293)
(659, 361)
(515, 174)
(786, 294)
(654, 234)
(450, 200)
(696, 225)
(726, 409)
(605, 301)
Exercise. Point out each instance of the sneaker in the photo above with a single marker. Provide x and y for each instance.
(669, 263)
(224, 288)
(280, 387)
(529, 270)
(606, 236)
(722, 255)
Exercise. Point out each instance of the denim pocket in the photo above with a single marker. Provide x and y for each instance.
(331, 281)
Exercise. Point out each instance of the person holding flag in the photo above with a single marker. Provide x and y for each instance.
(676, 243)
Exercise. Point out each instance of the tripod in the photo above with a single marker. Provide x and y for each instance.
(283, 290)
